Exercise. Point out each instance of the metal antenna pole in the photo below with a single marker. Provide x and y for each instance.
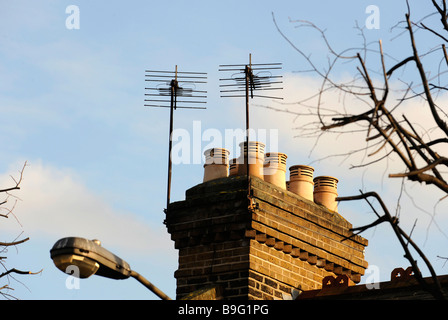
(172, 89)
(173, 100)
(243, 79)
(247, 72)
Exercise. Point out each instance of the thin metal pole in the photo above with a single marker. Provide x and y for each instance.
(170, 143)
(248, 72)
(168, 93)
(246, 155)
(149, 285)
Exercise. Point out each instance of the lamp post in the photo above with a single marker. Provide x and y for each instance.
(91, 258)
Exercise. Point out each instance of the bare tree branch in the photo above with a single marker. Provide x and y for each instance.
(404, 240)
(14, 270)
(394, 135)
(14, 243)
(17, 186)
(442, 124)
(4, 289)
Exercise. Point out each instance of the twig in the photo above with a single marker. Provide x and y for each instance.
(8, 244)
(14, 270)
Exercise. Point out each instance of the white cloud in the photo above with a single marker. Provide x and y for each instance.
(55, 203)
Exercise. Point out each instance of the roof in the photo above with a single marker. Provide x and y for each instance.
(403, 287)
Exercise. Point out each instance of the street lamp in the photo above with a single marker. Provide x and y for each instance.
(91, 258)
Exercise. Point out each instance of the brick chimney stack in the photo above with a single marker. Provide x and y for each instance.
(265, 243)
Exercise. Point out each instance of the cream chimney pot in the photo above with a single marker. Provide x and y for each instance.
(216, 164)
(255, 158)
(301, 181)
(325, 192)
(274, 169)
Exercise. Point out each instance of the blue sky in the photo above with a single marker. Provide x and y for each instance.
(71, 104)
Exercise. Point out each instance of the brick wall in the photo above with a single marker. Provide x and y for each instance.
(258, 247)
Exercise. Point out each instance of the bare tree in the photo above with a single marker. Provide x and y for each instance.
(380, 86)
(6, 211)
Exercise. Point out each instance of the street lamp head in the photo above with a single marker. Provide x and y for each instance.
(85, 267)
(83, 258)
(88, 257)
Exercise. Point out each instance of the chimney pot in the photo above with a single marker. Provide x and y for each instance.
(326, 191)
(255, 159)
(274, 169)
(233, 167)
(216, 164)
(301, 181)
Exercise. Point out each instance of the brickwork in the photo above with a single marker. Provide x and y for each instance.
(261, 246)
(225, 264)
(307, 230)
(285, 268)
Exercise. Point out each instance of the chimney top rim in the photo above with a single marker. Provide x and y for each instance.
(326, 177)
(301, 166)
